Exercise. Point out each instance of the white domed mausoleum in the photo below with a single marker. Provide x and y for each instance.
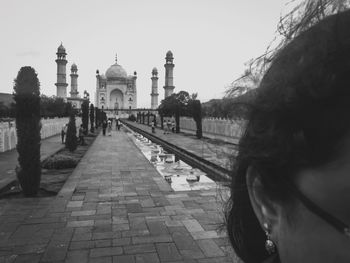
(115, 90)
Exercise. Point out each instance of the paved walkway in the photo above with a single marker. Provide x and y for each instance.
(115, 207)
(8, 159)
(215, 151)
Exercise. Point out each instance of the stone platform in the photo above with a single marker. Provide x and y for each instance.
(115, 207)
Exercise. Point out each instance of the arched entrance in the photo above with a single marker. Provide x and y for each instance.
(116, 99)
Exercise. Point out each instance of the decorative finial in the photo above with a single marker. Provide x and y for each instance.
(116, 58)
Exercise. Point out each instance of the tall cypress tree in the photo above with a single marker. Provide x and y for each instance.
(71, 137)
(85, 115)
(27, 97)
(97, 117)
(92, 117)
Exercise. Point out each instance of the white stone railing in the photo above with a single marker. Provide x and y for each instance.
(215, 128)
(50, 127)
(224, 129)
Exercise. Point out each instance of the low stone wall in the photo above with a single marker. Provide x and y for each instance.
(214, 128)
(223, 129)
(50, 127)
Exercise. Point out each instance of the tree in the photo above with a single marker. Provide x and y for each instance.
(196, 113)
(97, 117)
(92, 117)
(27, 97)
(53, 107)
(85, 115)
(71, 137)
(175, 105)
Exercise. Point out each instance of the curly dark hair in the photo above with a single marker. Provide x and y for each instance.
(298, 119)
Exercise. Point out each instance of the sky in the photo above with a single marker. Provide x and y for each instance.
(211, 41)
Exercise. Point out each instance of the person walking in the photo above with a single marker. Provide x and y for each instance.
(109, 128)
(173, 126)
(104, 127)
(168, 124)
(117, 124)
(153, 126)
(165, 126)
(81, 135)
(63, 133)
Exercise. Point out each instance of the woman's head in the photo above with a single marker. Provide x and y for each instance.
(298, 133)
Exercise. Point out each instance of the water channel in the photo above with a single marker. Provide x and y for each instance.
(180, 175)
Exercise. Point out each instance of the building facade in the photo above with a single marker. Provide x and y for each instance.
(116, 89)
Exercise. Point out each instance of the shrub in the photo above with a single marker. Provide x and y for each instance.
(60, 161)
(132, 117)
(71, 137)
(27, 97)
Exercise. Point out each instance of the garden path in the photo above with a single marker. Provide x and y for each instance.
(115, 207)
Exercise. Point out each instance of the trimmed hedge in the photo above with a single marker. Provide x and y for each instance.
(60, 161)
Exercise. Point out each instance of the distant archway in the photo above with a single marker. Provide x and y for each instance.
(116, 99)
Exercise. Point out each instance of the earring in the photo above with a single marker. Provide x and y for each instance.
(269, 245)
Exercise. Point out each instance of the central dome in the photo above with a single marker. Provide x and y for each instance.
(116, 71)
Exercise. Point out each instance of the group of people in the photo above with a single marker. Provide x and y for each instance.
(168, 126)
(107, 126)
(81, 132)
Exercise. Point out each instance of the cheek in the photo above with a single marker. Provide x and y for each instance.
(310, 239)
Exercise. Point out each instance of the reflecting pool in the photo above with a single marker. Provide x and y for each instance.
(180, 175)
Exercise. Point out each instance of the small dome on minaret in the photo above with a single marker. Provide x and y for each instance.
(169, 54)
(61, 49)
(74, 67)
(154, 71)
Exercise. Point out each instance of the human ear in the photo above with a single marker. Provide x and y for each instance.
(265, 209)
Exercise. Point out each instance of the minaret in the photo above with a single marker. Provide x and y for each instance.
(74, 81)
(61, 72)
(97, 94)
(154, 94)
(169, 66)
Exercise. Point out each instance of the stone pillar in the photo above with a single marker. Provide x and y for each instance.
(169, 79)
(154, 93)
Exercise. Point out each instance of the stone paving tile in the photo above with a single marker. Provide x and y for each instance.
(105, 251)
(191, 253)
(147, 258)
(28, 258)
(168, 252)
(75, 256)
(101, 260)
(83, 213)
(151, 239)
(139, 249)
(124, 259)
(210, 248)
(55, 251)
(192, 225)
(157, 228)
